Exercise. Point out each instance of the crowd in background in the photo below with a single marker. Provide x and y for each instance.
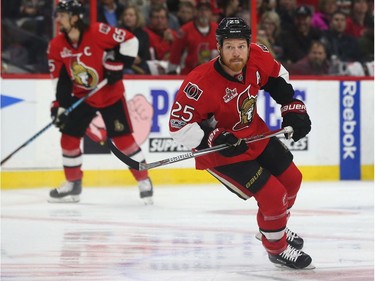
(310, 37)
(26, 28)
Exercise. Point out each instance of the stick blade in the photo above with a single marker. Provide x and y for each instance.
(122, 157)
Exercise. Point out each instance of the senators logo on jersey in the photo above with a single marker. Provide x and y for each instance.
(246, 105)
(84, 76)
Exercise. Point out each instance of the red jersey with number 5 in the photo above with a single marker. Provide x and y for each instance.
(210, 96)
(84, 61)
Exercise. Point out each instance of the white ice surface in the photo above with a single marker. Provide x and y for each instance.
(191, 233)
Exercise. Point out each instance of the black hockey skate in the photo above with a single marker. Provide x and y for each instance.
(146, 191)
(68, 192)
(293, 258)
(292, 238)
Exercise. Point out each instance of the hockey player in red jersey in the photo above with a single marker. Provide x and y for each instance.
(79, 58)
(216, 104)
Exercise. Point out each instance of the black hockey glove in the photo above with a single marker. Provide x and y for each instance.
(58, 118)
(220, 136)
(294, 114)
(113, 71)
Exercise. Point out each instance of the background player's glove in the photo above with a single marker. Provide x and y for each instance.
(58, 118)
(220, 136)
(113, 71)
(294, 114)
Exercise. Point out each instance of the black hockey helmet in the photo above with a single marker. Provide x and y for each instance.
(232, 28)
(74, 7)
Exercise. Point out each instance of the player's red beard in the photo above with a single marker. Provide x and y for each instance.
(234, 64)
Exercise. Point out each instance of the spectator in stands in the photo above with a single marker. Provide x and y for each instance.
(30, 8)
(355, 23)
(322, 17)
(229, 8)
(344, 47)
(344, 6)
(132, 20)
(263, 40)
(127, 2)
(270, 23)
(197, 39)
(173, 5)
(312, 4)
(216, 11)
(35, 17)
(32, 31)
(366, 41)
(297, 41)
(172, 20)
(161, 38)
(314, 63)
(185, 12)
(110, 11)
(264, 6)
(245, 15)
(286, 10)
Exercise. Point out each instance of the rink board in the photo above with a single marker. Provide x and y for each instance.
(339, 147)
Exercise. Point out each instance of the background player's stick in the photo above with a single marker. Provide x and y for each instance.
(66, 112)
(288, 131)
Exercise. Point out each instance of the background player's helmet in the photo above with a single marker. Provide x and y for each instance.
(73, 7)
(232, 28)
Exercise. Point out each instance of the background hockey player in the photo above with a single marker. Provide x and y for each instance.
(79, 58)
(216, 104)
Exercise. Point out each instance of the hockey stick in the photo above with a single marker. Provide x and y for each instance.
(66, 112)
(192, 154)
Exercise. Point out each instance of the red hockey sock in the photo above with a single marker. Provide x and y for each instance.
(272, 215)
(72, 157)
(291, 180)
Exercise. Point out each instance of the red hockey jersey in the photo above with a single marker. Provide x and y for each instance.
(159, 47)
(199, 47)
(84, 62)
(210, 95)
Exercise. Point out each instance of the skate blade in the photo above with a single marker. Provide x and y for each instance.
(148, 201)
(66, 199)
(309, 267)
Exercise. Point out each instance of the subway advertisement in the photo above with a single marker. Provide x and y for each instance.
(340, 145)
